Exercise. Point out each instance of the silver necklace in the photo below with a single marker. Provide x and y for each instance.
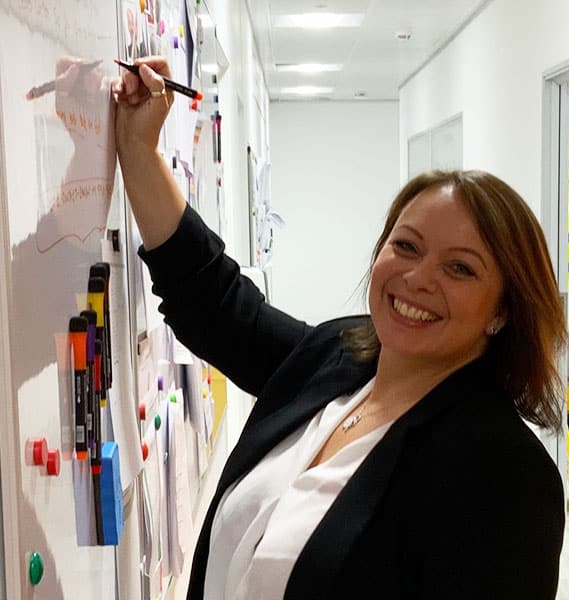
(353, 420)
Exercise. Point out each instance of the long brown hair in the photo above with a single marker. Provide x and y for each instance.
(524, 353)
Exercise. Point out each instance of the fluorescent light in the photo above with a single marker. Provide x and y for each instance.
(308, 68)
(307, 90)
(319, 20)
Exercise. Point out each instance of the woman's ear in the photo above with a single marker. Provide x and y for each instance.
(496, 324)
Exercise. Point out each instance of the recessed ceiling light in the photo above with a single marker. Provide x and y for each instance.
(307, 90)
(319, 20)
(307, 68)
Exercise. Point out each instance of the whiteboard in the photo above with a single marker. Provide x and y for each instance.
(58, 150)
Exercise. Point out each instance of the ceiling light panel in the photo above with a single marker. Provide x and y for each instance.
(319, 20)
(307, 90)
(290, 7)
(308, 68)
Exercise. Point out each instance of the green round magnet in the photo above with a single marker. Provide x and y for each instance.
(157, 422)
(36, 568)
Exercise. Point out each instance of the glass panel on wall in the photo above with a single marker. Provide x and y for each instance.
(446, 145)
(437, 148)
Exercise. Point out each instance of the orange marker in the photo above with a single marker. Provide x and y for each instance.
(78, 340)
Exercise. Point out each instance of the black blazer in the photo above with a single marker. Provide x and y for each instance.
(459, 500)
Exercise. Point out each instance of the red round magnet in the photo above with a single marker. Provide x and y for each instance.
(53, 462)
(40, 451)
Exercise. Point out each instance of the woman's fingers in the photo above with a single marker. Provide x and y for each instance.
(151, 79)
(135, 89)
(131, 82)
(157, 63)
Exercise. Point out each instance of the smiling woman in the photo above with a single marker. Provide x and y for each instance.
(435, 287)
(491, 277)
(404, 465)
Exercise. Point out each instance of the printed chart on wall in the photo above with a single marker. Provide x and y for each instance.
(57, 120)
(173, 387)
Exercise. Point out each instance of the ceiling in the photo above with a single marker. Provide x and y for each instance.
(374, 61)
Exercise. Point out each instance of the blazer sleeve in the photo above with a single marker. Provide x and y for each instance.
(495, 532)
(219, 314)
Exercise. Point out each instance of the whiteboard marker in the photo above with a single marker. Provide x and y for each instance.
(78, 340)
(171, 85)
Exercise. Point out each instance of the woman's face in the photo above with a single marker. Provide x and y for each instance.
(435, 287)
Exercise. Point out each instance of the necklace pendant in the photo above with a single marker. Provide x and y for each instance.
(351, 422)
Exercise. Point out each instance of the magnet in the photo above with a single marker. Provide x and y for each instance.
(53, 462)
(39, 451)
(35, 571)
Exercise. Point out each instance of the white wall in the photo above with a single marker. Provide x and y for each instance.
(492, 74)
(334, 173)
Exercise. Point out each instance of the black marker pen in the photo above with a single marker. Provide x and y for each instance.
(171, 85)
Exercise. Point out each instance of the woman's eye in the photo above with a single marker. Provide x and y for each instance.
(405, 246)
(461, 269)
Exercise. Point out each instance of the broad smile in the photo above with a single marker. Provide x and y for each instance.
(413, 313)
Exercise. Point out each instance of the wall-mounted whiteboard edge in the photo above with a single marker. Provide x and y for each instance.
(9, 437)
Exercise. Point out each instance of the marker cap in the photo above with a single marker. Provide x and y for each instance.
(78, 339)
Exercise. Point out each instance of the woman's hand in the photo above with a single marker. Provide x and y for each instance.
(142, 107)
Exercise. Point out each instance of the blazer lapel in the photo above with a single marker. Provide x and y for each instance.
(340, 375)
(321, 559)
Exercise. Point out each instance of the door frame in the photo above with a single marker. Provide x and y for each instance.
(554, 217)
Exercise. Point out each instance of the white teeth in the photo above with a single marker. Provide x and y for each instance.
(411, 312)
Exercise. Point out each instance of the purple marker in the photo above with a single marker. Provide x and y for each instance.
(91, 317)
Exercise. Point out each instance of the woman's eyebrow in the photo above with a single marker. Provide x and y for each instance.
(454, 248)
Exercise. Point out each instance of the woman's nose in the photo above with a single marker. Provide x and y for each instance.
(422, 276)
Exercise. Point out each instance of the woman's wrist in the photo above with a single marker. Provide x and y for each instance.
(135, 154)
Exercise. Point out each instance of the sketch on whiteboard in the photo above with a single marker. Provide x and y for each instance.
(74, 197)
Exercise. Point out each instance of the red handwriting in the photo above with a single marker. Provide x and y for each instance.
(76, 193)
(86, 122)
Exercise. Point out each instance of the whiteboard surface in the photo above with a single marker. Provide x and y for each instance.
(59, 165)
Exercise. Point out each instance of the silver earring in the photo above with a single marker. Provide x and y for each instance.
(491, 330)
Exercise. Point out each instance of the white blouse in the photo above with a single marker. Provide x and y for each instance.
(265, 519)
